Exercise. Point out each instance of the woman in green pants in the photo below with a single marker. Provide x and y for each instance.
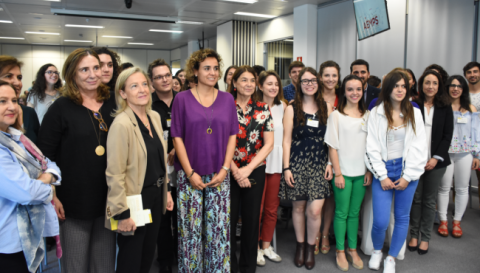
(346, 137)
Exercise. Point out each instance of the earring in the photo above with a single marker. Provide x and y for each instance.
(337, 86)
(234, 89)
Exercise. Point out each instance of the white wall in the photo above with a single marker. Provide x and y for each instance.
(35, 56)
(225, 43)
(276, 29)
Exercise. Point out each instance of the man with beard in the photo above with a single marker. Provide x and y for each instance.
(360, 68)
(471, 71)
(293, 72)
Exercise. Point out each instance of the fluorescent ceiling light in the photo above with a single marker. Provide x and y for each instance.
(13, 38)
(140, 44)
(189, 22)
(111, 15)
(83, 26)
(39, 32)
(6, 21)
(163, 30)
(53, 0)
(288, 40)
(43, 44)
(255, 14)
(77, 41)
(119, 37)
(242, 1)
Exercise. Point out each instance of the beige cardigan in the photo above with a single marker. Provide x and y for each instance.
(127, 161)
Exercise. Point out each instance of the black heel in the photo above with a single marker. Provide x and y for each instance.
(422, 252)
(413, 248)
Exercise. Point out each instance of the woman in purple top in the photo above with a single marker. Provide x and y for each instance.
(204, 129)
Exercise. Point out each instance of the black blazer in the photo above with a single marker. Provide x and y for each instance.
(372, 93)
(442, 132)
(31, 125)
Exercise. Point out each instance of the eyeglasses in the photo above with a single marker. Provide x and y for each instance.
(453, 86)
(103, 126)
(307, 82)
(165, 77)
(50, 72)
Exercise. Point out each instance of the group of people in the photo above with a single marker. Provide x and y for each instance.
(118, 157)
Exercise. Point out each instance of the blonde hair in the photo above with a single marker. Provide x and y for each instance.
(120, 85)
(193, 63)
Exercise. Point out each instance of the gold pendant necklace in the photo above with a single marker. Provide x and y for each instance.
(209, 130)
(99, 150)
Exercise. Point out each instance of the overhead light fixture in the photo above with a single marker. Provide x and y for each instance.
(12, 38)
(6, 21)
(242, 1)
(140, 43)
(255, 14)
(163, 30)
(43, 44)
(288, 40)
(83, 26)
(53, 0)
(119, 37)
(111, 15)
(40, 32)
(77, 41)
(189, 22)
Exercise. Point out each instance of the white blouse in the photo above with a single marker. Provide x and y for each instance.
(348, 136)
(274, 159)
(428, 128)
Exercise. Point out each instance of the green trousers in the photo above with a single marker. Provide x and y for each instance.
(348, 202)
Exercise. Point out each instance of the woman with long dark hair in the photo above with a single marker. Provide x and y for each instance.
(45, 90)
(109, 65)
(227, 79)
(396, 155)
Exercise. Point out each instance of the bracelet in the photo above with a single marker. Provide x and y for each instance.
(193, 171)
(338, 175)
(286, 169)
(226, 169)
(329, 163)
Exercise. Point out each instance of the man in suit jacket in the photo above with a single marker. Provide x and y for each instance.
(361, 68)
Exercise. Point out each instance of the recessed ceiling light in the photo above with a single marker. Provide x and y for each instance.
(242, 1)
(163, 30)
(119, 37)
(189, 22)
(39, 32)
(83, 26)
(77, 41)
(140, 43)
(6, 21)
(13, 38)
(255, 14)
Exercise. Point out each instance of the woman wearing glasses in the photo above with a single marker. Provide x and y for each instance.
(305, 163)
(464, 155)
(254, 143)
(45, 90)
(74, 134)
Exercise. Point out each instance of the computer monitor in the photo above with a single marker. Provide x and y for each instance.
(371, 17)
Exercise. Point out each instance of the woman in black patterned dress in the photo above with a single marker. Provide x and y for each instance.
(305, 161)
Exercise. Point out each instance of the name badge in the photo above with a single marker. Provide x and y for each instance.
(312, 123)
(364, 126)
(165, 135)
(461, 120)
(169, 123)
(390, 137)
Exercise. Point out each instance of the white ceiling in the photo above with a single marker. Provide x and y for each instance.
(36, 15)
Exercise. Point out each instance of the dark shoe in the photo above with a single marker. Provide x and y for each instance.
(421, 251)
(412, 248)
(310, 257)
(299, 260)
(165, 269)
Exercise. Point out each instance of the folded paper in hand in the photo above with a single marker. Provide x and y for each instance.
(140, 216)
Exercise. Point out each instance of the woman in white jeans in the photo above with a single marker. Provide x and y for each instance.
(464, 155)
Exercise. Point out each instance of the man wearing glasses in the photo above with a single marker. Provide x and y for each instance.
(160, 74)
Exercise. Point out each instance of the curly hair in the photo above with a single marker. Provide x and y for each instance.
(70, 90)
(193, 63)
(322, 111)
(40, 85)
(441, 98)
(115, 61)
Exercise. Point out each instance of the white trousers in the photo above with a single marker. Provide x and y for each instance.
(460, 169)
(367, 223)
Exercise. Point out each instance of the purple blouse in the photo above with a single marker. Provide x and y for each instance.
(190, 121)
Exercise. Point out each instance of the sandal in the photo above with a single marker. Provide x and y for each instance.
(457, 233)
(443, 228)
(344, 267)
(325, 248)
(359, 265)
(317, 243)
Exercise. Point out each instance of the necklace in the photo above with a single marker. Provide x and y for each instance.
(209, 130)
(100, 150)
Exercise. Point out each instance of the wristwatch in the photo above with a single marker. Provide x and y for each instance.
(226, 169)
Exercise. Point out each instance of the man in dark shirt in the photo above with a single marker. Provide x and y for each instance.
(160, 74)
(293, 72)
(361, 69)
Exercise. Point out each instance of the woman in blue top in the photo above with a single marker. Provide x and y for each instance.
(26, 214)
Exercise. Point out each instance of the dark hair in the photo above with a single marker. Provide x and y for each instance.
(115, 61)
(441, 98)
(295, 64)
(465, 96)
(179, 82)
(258, 69)
(261, 80)
(322, 112)
(242, 69)
(320, 73)
(406, 107)
(374, 81)
(186, 85)
(125, 66)
(40, 84)
(8, 62)
(157, 62)
(360, 62)
(440, 70)
(178, 72)
(343, 99)
(469, 66)
(226, 72)
(413, 88)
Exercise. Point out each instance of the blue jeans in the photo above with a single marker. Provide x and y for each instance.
(382, 202)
